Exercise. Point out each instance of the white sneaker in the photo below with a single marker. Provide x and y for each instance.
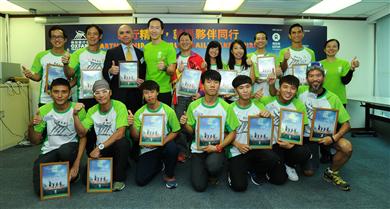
(291, 173)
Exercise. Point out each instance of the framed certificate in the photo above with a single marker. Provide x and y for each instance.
(128, 74)
(99, 175)
(152, 130)
(53, 72)
(226, 87)
(209, 131)
(189, 82)
(299, 71)
(54, 180)
(260, 132)
(88, 78)
(265, 66)
(324, 123)
(291, 126)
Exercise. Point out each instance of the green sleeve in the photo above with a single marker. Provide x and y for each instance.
(343, 114)
(36, 66)
(82, 114)
(301, 89)
(281, 55)
(173, 122)
(346, 66)
(191, 121)
(44, 110)
(121, 114)
(74, 61)
(137, 122)
(171, 59)
(88, 122)
(232, 122)
(259, 105)
(266, 100)
(313, 56)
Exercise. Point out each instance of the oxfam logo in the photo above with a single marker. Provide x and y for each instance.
(275, 37)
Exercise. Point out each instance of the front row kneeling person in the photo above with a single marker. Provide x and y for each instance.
(62, 142)
(109, 119)
(242, 159)
(326, 99)
(153, 159)
(207, 163)
(290, 154)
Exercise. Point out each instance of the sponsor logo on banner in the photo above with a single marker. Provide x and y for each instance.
(79, 41)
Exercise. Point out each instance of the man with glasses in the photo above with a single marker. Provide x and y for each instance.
(109, 119)
(131, 97)
(56, 57)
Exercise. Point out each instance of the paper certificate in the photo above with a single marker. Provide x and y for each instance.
(260, 132)
(265, 66)
(53, 72)
(128, 74)
(226, 87)
(189, 82)
(324, 123)
(88, 78)
(299, 71)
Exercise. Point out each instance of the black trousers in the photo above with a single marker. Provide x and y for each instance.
(66, 152)
(262, 162)
(150, 163)
(297, 155)
(203, 166)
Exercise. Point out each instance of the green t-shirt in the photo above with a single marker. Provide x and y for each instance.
(297, 56)
(41, 66)
(106, 123)
(242, 113)
(334, 71)
(153, 54)
(273, 105)
(171, 122)
(220, 108)
(88, 68)
(326, 100)
(59, 125)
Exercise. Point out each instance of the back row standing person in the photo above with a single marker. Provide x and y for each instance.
(131, 97)
(54, 56)
(296, 53)
(213, 56)
(160, 57)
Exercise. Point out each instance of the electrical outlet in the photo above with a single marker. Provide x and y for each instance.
(2, 114)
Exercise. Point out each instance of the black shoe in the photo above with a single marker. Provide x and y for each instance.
(257, 180)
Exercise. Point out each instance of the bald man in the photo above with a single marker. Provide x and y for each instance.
(131, 97)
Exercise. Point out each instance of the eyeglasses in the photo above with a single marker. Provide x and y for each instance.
(101, 92)
(57, 37)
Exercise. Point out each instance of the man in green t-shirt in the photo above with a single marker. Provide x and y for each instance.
(61, 143)
(316, 96)
(160, 57)
(109, 119)
(48, 64)
(207, 162)
(296, 53)
(153, 158)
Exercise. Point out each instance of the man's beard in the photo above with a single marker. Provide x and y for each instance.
(315, 88)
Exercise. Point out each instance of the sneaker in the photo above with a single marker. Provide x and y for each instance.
(170, 183)
(291, 173)
(335, 178)
(119, 186)
(256, 180)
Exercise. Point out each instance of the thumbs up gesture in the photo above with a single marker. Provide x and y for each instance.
(114, 70)
(130, 118)
(183, 118)
(354, 63)
(37, 119)
(65, 58)
(27, 72)
(287, 54)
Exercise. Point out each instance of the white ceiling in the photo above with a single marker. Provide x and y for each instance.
(363, 9)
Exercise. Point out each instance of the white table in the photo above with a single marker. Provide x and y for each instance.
(371, 102)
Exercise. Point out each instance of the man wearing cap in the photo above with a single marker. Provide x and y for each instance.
(316, 96)
(109, 119)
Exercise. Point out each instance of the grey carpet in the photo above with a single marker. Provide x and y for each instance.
(368, 172)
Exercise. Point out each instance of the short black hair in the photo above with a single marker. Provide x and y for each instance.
(60, 82)
(211, 75)
(289, 79)
(293, 26)
(99, 29)
(241, 79)
(266, 37)
(156, 19)
(150, 85)
(184, 34)
(56, 27)
(330, 40)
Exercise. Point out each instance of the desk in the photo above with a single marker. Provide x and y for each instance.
(371, 102)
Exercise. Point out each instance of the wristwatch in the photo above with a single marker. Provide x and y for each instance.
(101, 146)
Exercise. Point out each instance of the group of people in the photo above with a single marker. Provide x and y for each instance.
(109, 124)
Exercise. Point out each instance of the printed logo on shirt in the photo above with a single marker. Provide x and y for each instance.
(104, 128)
(60, 129)
(243, 128)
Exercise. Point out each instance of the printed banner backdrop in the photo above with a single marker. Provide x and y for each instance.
(315, 36)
